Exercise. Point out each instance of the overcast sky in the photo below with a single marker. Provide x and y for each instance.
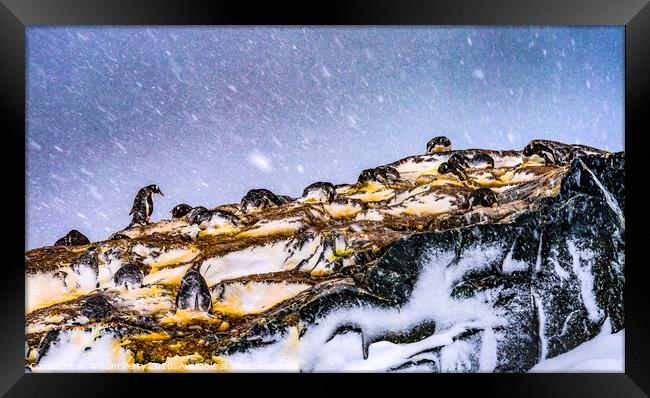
(209, 113)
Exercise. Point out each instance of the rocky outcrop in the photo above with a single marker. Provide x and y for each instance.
(387, 274)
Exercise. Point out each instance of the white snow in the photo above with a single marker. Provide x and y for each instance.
(604, 353)
(261, 161)
(430, 300)
(69, 354)
(582, 264)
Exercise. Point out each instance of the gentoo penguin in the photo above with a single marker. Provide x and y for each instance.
(381, 174)
(561, 153)
(198, 214)
(320, 191)
(193, 293)
(458, 159)
(483, 197)
(96, 307)
(453, 168)
(541, 150)
(260, 199)
(143, 205)
(118, 236)
(128, 276)
(285, 199)
(482, 160)
(180, 210)
(73, 238)
(438, 144)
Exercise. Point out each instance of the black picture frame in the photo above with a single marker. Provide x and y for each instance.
(16, 15)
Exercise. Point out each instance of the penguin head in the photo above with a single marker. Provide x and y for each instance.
(153, 188)
(444, 168)
(529, 150)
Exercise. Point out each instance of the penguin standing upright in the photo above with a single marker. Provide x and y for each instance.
(143, 205)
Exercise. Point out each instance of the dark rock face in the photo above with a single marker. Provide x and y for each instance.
(73, 238)
(557, 273)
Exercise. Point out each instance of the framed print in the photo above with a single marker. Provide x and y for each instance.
(237, 192)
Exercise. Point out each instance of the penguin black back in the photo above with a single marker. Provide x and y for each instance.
(458, 160)
(96, 307)
(438, 144)
(483, 197)
(453, 168)
(193, 292)
(482, 159)
(73, 238)
(381, 174)
(128, 276)
(259, 199)
(198, 214)
(180, 210)
(323, 189)
(541, 150)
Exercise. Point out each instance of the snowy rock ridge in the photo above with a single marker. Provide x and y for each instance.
(408, 269)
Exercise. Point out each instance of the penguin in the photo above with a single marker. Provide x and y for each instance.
(87, 264)
(320, 191)
(391, 172)
(180, 210)
(193, 293)
(128, 276)
(96, 307)
(559, 152)
(256, 199)
(198, 214)
(453, 168)
(143, 205)
(458, 159)
(284, 199)
(483, 197)
(73, 238)
(118, 236)
(482, 161)
(381, 174)
(221, 217)
(541, 150)
(438, 144)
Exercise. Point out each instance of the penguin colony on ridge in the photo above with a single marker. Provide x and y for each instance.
(194, 292)
(551, 152)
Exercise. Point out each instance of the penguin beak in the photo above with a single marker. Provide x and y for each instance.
(161, 194)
